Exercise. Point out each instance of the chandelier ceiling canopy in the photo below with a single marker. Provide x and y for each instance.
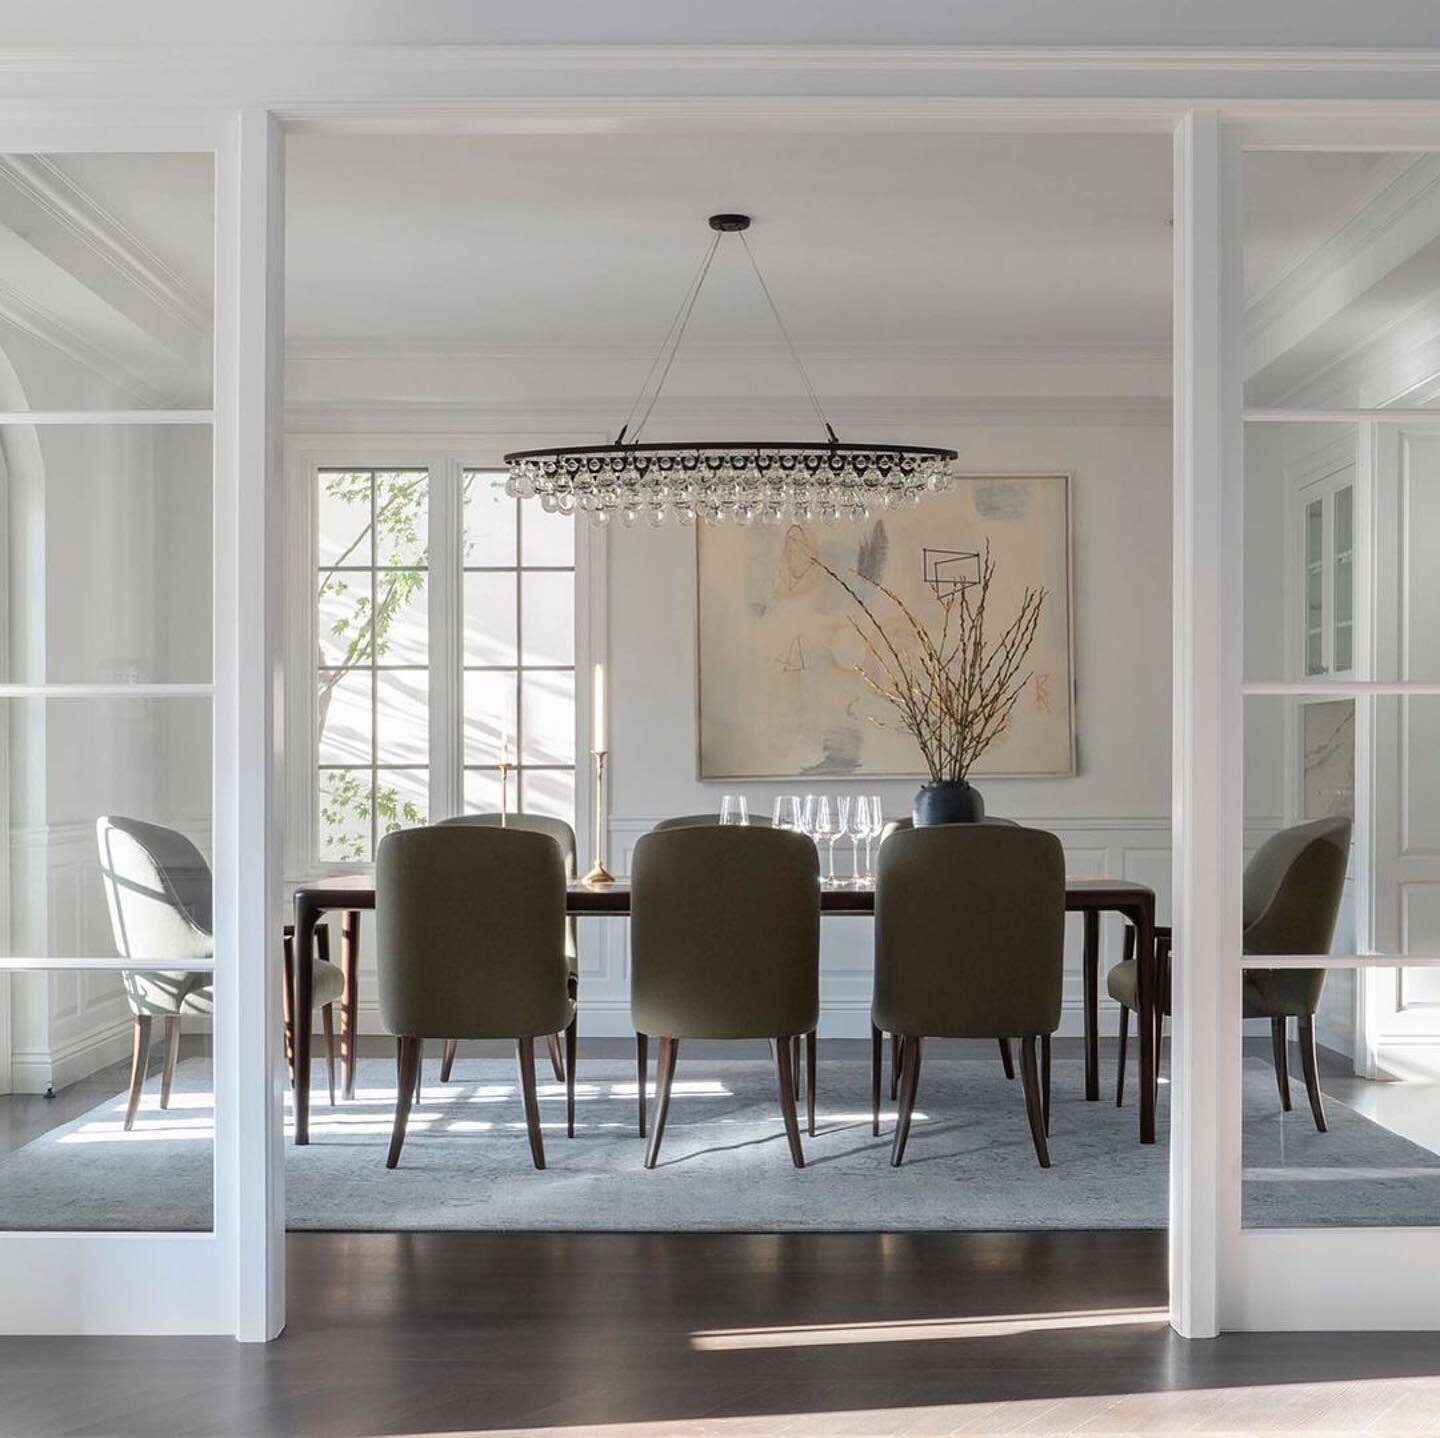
(740, 481)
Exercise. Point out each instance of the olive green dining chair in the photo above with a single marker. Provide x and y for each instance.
(1290, 901)
(877, 1038)
(692, 821)
(969, 944)
(470, 944)
(725, 944)
(563, 835)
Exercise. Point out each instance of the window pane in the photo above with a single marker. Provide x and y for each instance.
(490, 710)
(343, 618)
(546, 538)
(402, 716)
(548, 607)
(490, 619)
(402, 626)
(1327, 734)
(489, 519)
(402, 799)
(551, 792)
(68, 1161)
(1344, 580)
(345, 716)
(345, 814)
(109, 570)
(547, 708)
(342, 528)
(1314, 588)
(482, 792)
(401, 513)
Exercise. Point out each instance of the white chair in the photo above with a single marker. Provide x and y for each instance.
(159, 891)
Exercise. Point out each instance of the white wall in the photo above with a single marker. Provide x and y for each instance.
(1113, 816)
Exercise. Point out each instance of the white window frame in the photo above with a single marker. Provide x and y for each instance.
(446, 460)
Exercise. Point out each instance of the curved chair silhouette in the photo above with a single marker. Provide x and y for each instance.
(563, 835)
(696, 821)
(877, 1039)
(1291, 898)
(969, 943)
(470, 944)
(725, 944)
(159, 892)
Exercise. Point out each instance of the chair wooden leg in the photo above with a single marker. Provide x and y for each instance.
(1007, 1057)
(1120, 1066)
(571, 1040)
(327, 1020)
(287, 1002)
(407, 1067)
(139, 1062)
(525, 1058)
(172, 1056)
(664, 1074)
(1280, 1048)
(896, 1054)
(910, 1049)
(557, 1064)
(785, 1075)
(1045, 1080)
(447, 1059)
(812, 1045)
(642, 1074)
(796, 1059)
(350, 999)
(877, 1049)
(1312, 1070)
(419, 1067)
(1034, 1105)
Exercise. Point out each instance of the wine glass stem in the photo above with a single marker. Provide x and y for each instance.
(830, 861)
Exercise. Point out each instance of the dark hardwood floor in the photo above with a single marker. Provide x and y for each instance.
(759, 1334)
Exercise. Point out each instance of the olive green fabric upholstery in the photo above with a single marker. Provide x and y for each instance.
(692, 821)
(470, 933)
(1291, 898)
(897, 826)
(557, 829)
(725, 933)
(969, 931)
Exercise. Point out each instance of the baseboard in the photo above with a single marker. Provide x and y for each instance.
(34, 1071)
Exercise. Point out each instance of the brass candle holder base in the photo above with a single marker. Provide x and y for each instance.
(598, 874)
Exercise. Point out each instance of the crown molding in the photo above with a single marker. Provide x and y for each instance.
(421, 417)
(303, 348)
(49, 189)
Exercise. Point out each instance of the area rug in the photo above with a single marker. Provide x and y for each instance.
(724, 1165)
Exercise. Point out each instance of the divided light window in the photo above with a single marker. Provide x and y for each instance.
(402, 734)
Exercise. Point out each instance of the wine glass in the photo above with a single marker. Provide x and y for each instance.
(734, 809)
(842, 828)
(823, 828)
(802, 812)
(780, 813)
(860, 830)
(877, 827)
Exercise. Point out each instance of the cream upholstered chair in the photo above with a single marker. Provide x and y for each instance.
(159, 891)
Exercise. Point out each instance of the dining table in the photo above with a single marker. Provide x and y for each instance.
(351, 894)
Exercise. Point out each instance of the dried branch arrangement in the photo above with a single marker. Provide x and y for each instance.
(951, 690)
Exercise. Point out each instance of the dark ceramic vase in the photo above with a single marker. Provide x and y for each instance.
(948, 801)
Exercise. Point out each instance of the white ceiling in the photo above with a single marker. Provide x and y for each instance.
(865, 239)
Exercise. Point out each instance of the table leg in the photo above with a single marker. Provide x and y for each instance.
(1144, 921)
(1092, 1005)
(306, 916)
(350, 999)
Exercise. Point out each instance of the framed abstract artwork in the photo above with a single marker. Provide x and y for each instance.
(779, 696)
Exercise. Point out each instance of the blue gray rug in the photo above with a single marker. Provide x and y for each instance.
(724, 1165)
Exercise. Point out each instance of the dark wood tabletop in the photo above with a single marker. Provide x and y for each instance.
(1090, 897)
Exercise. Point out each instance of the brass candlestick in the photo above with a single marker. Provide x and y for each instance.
(505, 768)
(599, 874)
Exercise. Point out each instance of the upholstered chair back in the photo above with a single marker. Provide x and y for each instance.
(700, 821)
(969, 931)
(470, 933)
(725, 932)
(159, 892)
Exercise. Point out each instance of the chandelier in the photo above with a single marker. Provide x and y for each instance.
(734, 481)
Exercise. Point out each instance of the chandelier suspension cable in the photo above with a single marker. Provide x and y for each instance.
(790, 343)
(676, 332)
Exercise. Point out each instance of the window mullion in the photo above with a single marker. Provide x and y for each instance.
(447, 685)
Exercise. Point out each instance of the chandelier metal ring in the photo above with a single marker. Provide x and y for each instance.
(740, 481)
